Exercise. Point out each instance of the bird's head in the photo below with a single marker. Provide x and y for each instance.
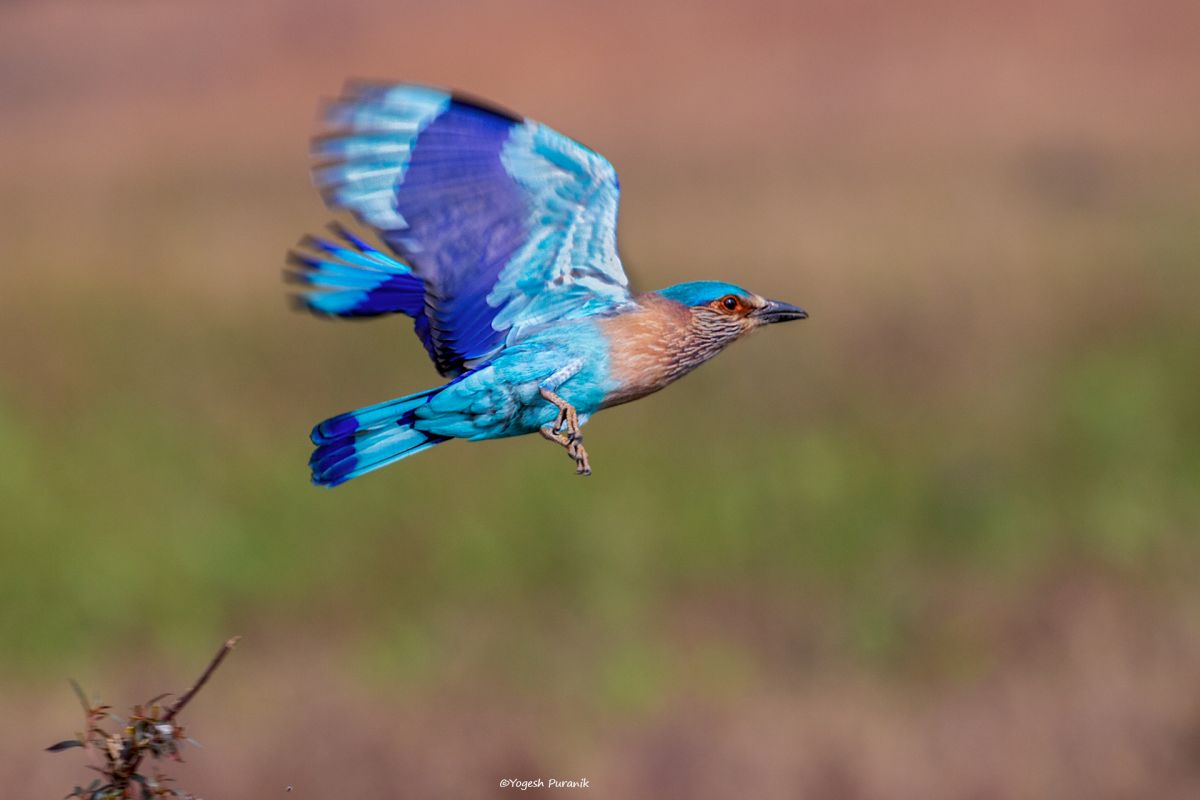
(723, 312)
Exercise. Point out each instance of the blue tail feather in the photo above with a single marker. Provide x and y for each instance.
(358, 442)
(370, 417)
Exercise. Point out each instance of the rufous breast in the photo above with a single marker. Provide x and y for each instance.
(645, 345)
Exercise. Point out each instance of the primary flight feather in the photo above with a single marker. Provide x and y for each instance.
(502, 249)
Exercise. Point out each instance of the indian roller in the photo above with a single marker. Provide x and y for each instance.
(500, 242)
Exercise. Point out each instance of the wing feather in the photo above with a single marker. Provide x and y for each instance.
(510, 224)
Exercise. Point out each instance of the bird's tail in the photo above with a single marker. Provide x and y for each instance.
(352, 279)
(358, 442)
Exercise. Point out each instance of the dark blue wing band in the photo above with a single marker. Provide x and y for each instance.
(462, 208)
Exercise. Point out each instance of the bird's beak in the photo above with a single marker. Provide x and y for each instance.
(776, 311)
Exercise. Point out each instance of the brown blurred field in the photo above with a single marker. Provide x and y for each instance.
(939, 541)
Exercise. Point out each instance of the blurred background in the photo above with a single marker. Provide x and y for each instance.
(938, 541)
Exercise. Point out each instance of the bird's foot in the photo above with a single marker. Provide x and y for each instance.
(568, 418)
(575, 450)
(567, 421)
(573, 444)
(560, 439)
(565, 432)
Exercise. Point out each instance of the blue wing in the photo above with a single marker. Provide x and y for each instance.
(509, 224)
(349, 278)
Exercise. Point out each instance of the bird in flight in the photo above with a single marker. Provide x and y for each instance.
(501, 245)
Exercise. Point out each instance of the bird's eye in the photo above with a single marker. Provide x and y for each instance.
(730, 302)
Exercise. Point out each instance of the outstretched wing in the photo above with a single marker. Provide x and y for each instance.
(509, 224)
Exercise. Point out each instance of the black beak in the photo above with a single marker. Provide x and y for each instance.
(775, 311)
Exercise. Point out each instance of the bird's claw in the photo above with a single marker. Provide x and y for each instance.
(565, 432)
(573, 444)
(575, 450)
(567, 420)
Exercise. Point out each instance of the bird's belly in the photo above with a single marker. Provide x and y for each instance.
(522, 409)
(505, 399)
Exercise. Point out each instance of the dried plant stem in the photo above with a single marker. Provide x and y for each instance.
(124, 772)
(208, 671)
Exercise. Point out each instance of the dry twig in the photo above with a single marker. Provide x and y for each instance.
(149, 729)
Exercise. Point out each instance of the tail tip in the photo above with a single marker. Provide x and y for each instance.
(332, 464)
(332, 478)
(334, 428)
